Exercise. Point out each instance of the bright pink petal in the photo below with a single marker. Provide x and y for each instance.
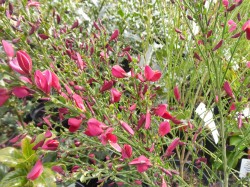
(9, 50)
(116, 146)
(127, 128)
(118, 72)
(20, 92)
(74, 124)
(114, 35)
(177, 93)
(148, 120)
(148, 73)
(3, 99)
(15, 66)
(36, 171)
(164, 128)
(24, 61)
(172, 147)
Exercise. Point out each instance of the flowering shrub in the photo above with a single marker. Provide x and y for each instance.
(107, 115)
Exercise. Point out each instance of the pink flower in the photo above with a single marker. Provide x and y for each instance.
(74, 124)
(58, 169)
(164, 128)
(79, 102)
(126, 151)
(48, 134)
(228, 89)
(24, 61)
(42, 82)
(95, 127)
(142, 163)
(177, 93)
(8, 49)
(21, 91)
(172, 147)
(225, 3)
(127, 128)
(4, 96)
(114, 35)
(36, 171)
(108, 137)
(132, 107)
(240, 120)
(151, 75)
(160, 110)
(148, 120)
(115, 95)
(15, 66)
(106, 85)
(246, 28)
(232, 25)
(51, 145)
(118, 72)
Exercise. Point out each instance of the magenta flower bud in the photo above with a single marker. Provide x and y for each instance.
(115, 35)
(177, 93)
(115, 95)
(163, 182)
(228, 89)
(8, 49)
(197, 56)
(79, 102)
(51, 145)
(178, 30)
(21, 91)
(15, 66)
(127, 128)
(43, 80)
(24, 61)
(142, 163)
(75, 25)
(74, 124)
(240, 120)
(94, 127)
(36, 171)
(246, 28)
(172, 147)
(126, 151)
(118, 72)
(160, 110)
(141, 120)
(4, 96)
(218, 45)
(148, 120)
(132, 107)
(164, 128)
(43, 36)
(106, 85)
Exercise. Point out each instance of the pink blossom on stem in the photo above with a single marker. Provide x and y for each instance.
(172, 147)
(148, 120)
(164, 128)
(15, 66)
(163, 182)
(115, 95)
(95, 127)
(142, 163)
(8, 49)
(126, 151)
(115, 35)
(21, 91)
(51, 145)
(151, 75)
(118, 72)
(43, 81)
(24, 61)
(74, 124)
(127, 128)
(177, 93)
(36, 171)
(225, 3)
(79, 102)
(228, 89)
